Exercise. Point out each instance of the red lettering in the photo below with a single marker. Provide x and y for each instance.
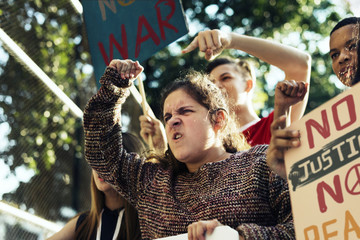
(337, 195)
(123, 50)
(151, 33)
(165, 23)
(323, 130)
(351, 109)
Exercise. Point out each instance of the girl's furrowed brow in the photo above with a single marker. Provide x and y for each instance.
(179, 109)
(184, 108)
(166, 114)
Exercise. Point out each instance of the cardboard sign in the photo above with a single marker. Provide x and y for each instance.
(130, 29)
(219, 233)
(324, 173)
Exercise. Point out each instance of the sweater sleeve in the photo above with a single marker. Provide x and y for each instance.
(279, 201)
(103, 139)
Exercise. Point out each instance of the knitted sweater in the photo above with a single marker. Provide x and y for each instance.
(240, 191)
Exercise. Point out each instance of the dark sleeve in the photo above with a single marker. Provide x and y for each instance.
(103, 140)
(279, 201)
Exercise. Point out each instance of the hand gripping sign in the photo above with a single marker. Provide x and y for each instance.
(324, 173)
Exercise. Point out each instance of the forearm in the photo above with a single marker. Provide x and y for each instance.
(103, 138)
(254, 231)
(280, 110)
(101, 124)
(295, 63)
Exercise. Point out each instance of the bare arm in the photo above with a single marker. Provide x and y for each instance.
(296, 64)
(287, 95)
(67, 232)
(281, 140)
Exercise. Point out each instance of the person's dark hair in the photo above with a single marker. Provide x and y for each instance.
(131, 143)
(344, 22)
(206, 93)
(242, 66)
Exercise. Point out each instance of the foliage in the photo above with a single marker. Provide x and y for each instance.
(45, 137)
(309, 21)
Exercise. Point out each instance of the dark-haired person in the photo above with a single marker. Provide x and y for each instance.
(207, 173)
(344, 40)
(237, 76)
(110, 215)
(344, 53)
(237, 79)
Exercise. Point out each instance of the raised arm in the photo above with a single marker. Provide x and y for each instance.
(296, 64)
(102, 125)
(288, 94)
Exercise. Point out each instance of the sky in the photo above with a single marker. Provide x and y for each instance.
(355, 7)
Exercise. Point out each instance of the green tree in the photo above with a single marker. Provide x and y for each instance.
(304, 24)
(43, 134)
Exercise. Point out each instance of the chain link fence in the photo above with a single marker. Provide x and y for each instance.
(45, 180)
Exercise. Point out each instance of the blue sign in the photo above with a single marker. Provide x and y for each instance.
(130, 29)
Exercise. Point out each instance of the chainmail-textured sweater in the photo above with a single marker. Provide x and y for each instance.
(241, 191)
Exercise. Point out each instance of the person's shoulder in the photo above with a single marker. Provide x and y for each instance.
(254, 150)
(81, 217)
(268, 118)
(67, 232)
(258, 149)
(256, 155)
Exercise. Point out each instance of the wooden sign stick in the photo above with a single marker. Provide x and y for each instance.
(143, 104)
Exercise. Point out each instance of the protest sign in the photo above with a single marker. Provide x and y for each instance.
(324, 173)
(130, 29)
(219, 233)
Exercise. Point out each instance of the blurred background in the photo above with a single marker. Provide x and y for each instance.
(44, 179)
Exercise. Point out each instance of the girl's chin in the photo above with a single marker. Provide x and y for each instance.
(180, 158)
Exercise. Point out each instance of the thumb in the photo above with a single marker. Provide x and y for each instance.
(209, 54)
(193, 45)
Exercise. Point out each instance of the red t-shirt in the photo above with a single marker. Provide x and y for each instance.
(259, 133)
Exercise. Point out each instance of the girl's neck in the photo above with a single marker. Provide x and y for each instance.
(113, 200)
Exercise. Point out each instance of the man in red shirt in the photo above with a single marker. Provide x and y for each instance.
(237, 79)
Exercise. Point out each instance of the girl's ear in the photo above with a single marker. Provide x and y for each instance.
(220, 119)
(249, 85)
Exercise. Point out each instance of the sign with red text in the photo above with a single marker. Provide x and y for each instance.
(130, 29)
(324, 173)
